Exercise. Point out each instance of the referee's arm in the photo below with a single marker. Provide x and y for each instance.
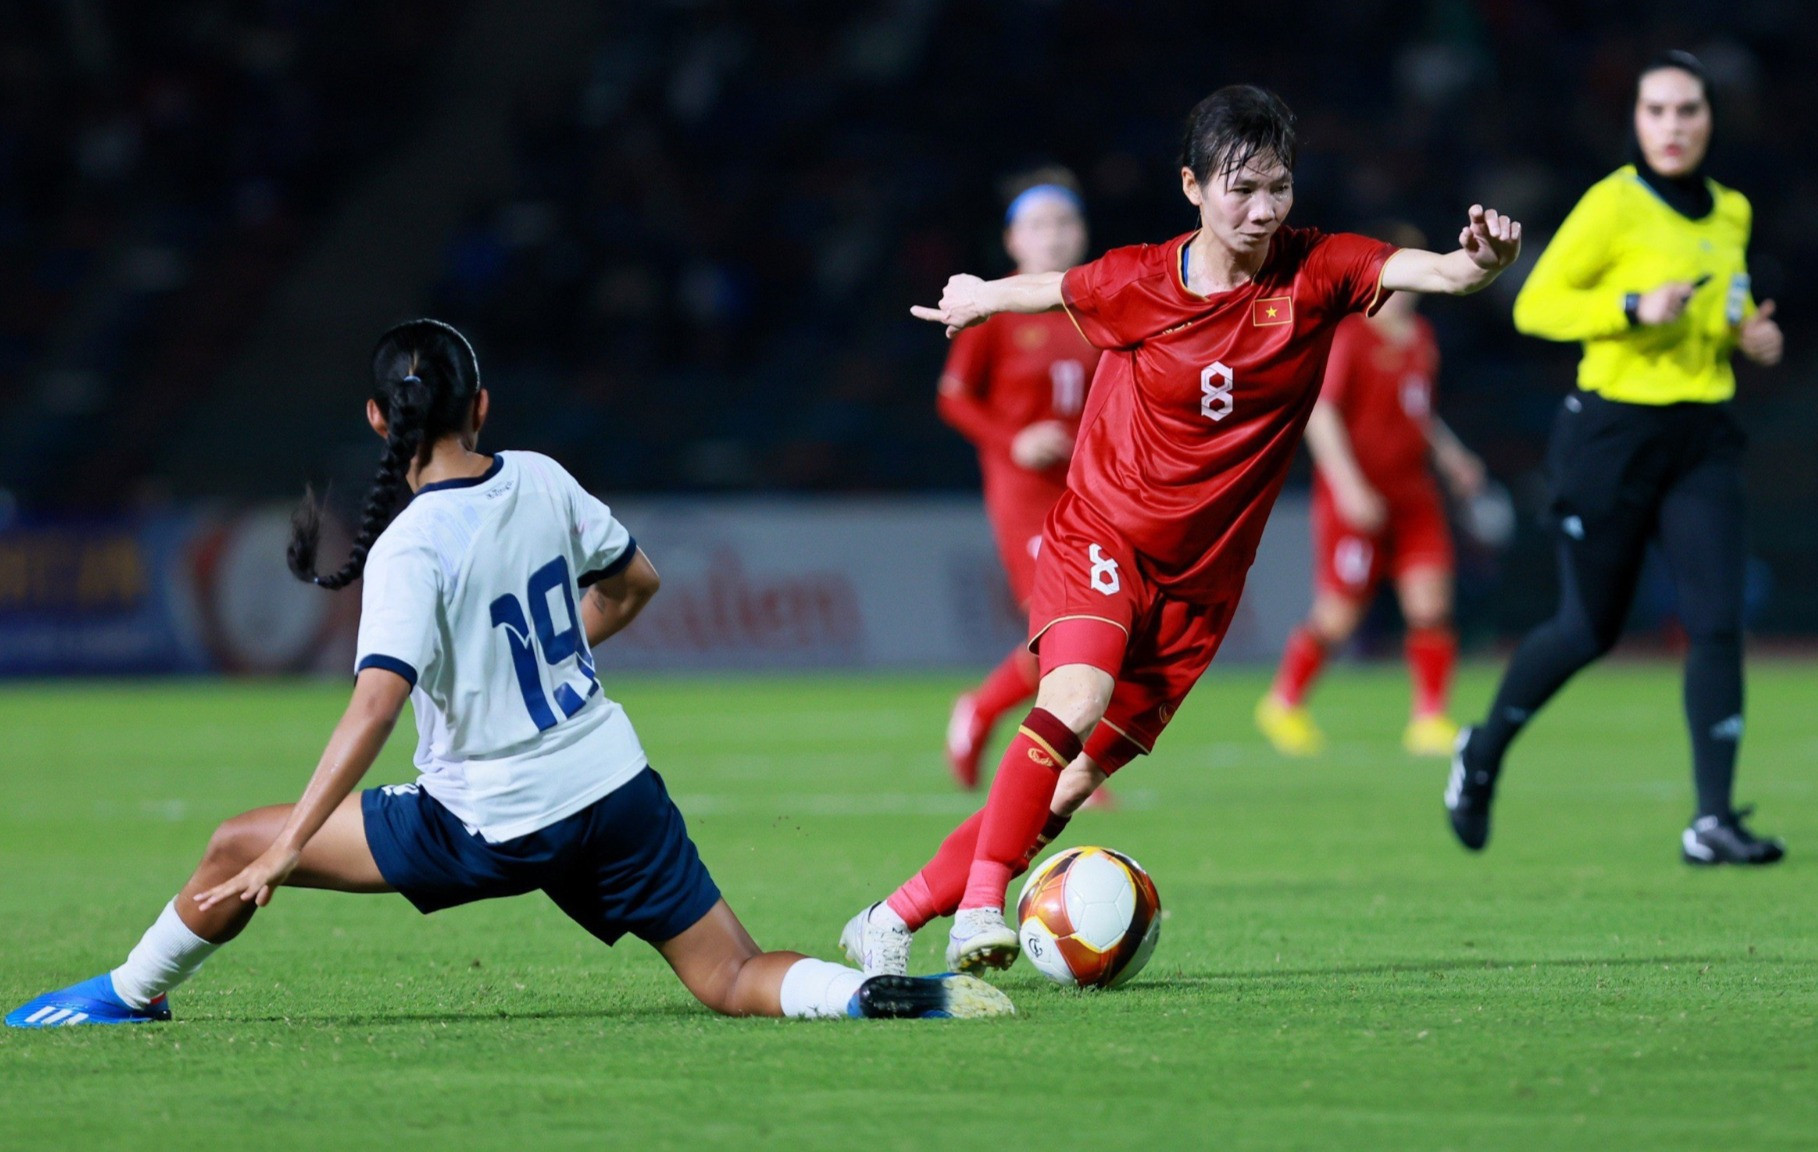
(1564, 298)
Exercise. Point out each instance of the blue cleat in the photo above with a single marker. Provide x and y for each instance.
(91, 1002)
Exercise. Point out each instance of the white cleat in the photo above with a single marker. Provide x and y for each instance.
(980, 939)
(878, 949)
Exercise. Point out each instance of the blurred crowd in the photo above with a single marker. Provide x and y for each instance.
(703, 274)
(699, 279)
(160, 166)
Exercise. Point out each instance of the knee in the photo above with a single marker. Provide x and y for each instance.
(1077, 697)
(236, 843)
(1333, 619)
(1426, 619)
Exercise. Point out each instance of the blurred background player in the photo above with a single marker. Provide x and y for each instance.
(1650, 272)
(1216, 343)
(1377, 512)
(1015, 386)
(531, 777)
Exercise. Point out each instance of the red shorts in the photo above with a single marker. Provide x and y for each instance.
(1018, 529)
(1158, 645)
(1350, 563)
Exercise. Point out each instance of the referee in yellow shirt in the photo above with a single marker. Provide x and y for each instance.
(1650, 273)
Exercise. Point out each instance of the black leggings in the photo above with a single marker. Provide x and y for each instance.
(1625, 474)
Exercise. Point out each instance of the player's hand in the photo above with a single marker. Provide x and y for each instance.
(962, 304)
(1361, 507)
(1664, 304)
(1041, 445)
(256, 881)
(1759, 337)
(1491, 239)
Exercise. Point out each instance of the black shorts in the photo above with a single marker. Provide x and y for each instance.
(1615, 461)
(622, 864)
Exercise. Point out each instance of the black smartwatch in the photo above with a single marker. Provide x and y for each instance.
(1631, 307)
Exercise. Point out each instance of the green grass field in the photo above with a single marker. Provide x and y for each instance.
(1333, 973)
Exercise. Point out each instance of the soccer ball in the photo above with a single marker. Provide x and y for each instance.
(1089, 918)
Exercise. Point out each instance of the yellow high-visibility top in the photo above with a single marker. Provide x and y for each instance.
(1623, 238)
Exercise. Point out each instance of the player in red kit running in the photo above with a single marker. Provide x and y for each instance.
(1377, 512)
(1215, 343)
(1015, 386)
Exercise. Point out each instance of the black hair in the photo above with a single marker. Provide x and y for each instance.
(424, 378)
(1682, 60)
(1020, 182)
(1234, 126)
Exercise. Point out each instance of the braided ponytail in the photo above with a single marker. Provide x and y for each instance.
(425, 379)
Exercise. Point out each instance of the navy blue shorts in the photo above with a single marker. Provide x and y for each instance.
(622, 864)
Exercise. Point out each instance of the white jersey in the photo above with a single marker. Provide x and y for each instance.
(471, 594)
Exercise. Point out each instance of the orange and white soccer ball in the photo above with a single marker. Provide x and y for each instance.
(1089, 917)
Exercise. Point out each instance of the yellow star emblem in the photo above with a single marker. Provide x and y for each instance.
(1271, 312)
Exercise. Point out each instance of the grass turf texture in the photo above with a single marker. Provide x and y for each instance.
(1333, 972)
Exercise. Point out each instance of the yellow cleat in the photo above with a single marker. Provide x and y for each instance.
(1433, 735)
(1290, 729)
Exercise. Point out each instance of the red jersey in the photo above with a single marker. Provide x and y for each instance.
(1383, 392)
(1199, 402)
(1006, 374)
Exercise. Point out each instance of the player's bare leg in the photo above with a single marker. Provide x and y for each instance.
(1282, 714)
(1432, 650)
(186, 934)
(336, 858)
(1078, 784)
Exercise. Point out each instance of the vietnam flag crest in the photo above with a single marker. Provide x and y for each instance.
(1272, 310)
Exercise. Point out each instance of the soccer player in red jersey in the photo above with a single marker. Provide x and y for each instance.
(1015, 386)
(1376, 512)
(1215, 343)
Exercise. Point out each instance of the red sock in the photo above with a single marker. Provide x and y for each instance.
(1431, 653)
(936, 890)
(1301, 661)
(1019, 802)
(1009, 684)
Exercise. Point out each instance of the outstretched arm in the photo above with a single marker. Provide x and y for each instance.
(1488, 243)
(378, 697)
(968, 300)
(616, 601)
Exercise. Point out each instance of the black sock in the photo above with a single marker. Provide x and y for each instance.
(1713, 713)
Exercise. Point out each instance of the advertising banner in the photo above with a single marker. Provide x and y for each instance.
(748, 584)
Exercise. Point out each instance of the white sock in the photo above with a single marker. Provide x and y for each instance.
(883, 915)
(167, 955)
(818, 989)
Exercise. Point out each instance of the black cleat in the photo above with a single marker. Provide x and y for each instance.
(947, 996)
(1468, 796)
(1724, 840)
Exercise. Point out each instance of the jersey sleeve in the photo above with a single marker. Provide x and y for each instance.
(1348, 272)
(964, 381)
(606, 546)
(1564, 298)
(1103, 301)
(399, 599)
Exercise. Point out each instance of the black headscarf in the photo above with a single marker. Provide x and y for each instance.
(1690, 194)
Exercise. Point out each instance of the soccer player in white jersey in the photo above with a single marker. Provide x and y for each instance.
(482, 601)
